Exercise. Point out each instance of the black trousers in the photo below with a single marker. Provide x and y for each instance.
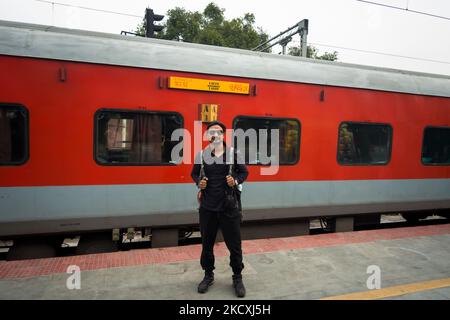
(230, 224)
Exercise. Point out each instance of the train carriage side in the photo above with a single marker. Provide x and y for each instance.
(86, 142)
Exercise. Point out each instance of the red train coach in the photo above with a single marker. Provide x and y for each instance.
(86, 120)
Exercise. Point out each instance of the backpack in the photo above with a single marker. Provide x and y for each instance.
(233, 196)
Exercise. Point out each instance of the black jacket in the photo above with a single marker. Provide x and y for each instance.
(214, 195)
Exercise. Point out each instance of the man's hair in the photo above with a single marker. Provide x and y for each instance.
(216, 123)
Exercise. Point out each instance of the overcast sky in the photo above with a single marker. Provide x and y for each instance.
(340, 23)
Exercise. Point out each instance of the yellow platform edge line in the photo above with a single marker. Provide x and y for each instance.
(393, 291)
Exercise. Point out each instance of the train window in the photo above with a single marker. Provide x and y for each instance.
(13, 134)
(436, 146)
(135, 137)
(289, 139)
(364, 143)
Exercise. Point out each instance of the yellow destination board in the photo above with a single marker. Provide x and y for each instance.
(209, 85)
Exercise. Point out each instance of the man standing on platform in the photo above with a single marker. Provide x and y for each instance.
(211, 173)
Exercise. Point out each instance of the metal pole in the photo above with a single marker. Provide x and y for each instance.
(281, 33)
(303, 44)
(301, 28)
(284, 42)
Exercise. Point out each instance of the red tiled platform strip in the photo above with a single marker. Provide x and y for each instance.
(40, 267)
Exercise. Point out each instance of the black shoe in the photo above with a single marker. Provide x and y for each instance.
(238, 285)
(206, 282)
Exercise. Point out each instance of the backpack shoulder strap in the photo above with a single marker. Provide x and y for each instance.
(230, 167)
(202, 165)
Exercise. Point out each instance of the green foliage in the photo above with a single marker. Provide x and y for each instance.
(313, 52)
(210, 27)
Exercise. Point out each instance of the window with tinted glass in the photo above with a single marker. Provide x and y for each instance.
(289, 138)
(436, 145)
(135, 137)
(13, 134)
(364, 143)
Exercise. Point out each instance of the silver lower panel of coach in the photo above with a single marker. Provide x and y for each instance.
(31, 210)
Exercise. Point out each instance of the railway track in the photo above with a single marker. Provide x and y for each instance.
(100, 242)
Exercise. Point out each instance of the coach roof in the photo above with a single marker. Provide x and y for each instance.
(30, 40)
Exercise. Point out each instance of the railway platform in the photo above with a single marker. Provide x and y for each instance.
(402, 263)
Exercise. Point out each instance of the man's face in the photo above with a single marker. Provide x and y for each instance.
(215, 132)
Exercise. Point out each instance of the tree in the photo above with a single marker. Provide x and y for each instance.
(210, 27)
(312, 52)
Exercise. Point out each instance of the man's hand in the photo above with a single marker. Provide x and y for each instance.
(230, 181)
(202, 184)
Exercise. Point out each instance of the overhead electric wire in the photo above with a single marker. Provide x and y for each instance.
(92, 9)
(404, 9)
(377, 52)
(318, 44)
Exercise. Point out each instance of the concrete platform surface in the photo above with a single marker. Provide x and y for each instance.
(403, 263)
